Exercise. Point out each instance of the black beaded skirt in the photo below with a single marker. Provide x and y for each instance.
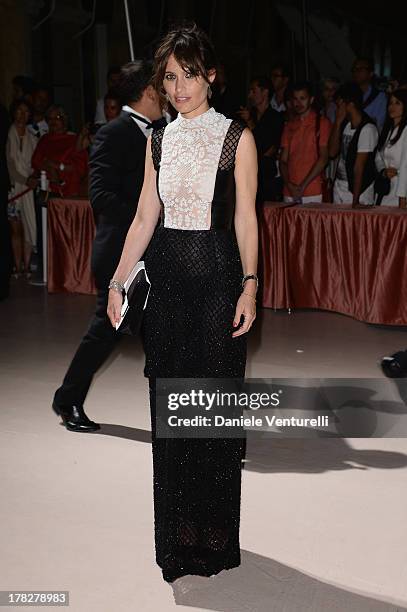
(187, 333)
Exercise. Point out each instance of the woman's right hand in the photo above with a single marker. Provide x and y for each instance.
(114, 306)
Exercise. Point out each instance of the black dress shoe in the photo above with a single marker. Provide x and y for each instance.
(395, 366)
(74, 418)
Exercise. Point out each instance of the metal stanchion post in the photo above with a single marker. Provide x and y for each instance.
(44, 218)
(41, 277)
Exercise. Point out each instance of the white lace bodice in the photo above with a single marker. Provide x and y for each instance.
(190, 154)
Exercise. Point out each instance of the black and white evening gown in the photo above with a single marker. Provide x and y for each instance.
(194, 266)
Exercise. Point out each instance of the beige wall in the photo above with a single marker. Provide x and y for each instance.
(14, 45)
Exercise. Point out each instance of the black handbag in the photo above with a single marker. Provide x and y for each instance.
(135, 296)
(382, 186)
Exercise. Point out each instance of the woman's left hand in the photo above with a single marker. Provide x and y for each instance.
(246, 306)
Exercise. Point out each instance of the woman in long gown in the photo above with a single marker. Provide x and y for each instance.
(201, 180)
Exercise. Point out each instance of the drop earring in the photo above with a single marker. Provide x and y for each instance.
(209, 92)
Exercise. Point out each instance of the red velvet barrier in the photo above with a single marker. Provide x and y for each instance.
(71, 230)
(335, 258)
(311, 256)
(272, 259)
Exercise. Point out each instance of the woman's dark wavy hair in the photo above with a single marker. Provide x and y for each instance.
(191, 48)
(401, 95)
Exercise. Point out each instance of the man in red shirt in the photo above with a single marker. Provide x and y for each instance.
(304, 145)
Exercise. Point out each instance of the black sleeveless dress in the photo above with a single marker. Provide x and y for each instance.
(195, 284)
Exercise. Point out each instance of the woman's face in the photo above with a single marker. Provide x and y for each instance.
(22, 114)
(396, 108)
(56, 122)
(187, 93)
(112, 109)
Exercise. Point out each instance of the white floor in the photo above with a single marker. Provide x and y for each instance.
(323, 523)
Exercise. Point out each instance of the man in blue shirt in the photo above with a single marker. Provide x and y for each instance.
(374, 101)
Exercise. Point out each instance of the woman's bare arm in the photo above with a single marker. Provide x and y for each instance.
(139, 234)
(246, 225)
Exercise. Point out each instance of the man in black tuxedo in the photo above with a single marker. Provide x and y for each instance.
(116, 178)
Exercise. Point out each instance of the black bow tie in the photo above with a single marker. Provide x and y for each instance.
(148, 123)
(155, 125)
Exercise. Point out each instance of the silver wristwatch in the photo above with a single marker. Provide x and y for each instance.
(250, 277)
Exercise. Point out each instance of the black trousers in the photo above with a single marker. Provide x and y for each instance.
(95, 347)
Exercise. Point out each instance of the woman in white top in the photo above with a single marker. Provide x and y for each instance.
(21, 212)
(391, 156)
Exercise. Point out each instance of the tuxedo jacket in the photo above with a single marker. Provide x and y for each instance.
(116, 174)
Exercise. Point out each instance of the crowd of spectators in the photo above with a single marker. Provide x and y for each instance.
(338, 142)
(42, 152)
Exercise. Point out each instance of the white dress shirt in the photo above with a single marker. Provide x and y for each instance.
(38, 129)
(280, 108)
(143, 126)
